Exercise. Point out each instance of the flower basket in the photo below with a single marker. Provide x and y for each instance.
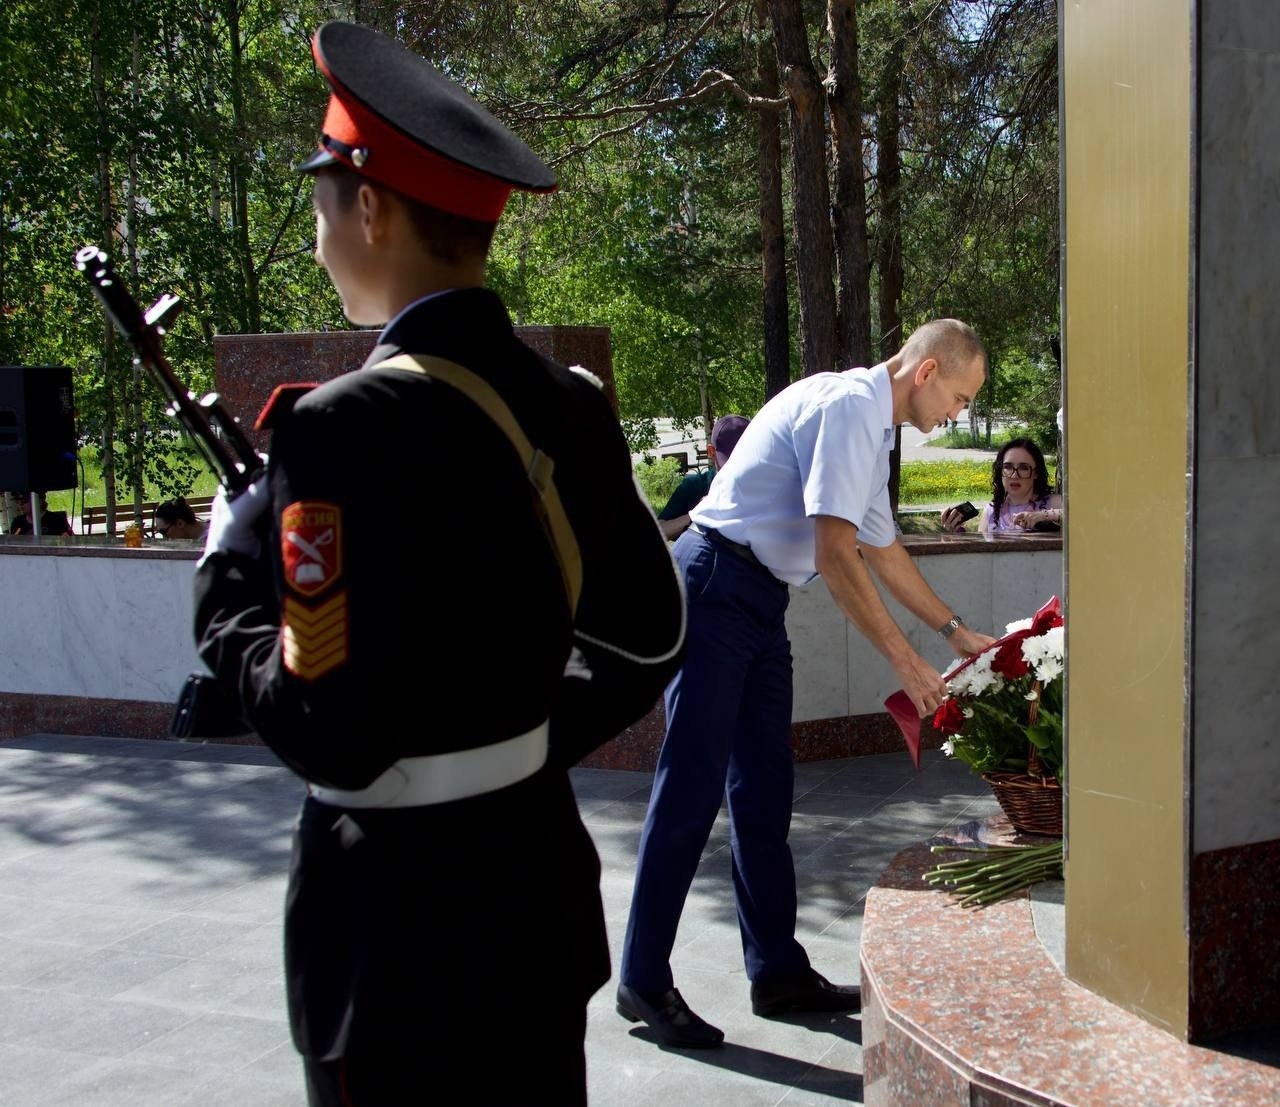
(1031, 800)
(1032, 803)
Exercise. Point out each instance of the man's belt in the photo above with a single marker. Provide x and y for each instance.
(718, 539)
(442, 777)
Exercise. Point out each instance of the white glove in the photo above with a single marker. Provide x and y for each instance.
(232, 523)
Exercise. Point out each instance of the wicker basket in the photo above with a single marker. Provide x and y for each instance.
(1032, 800)
(1033, 803)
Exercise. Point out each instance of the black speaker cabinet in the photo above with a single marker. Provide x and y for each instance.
(37, 428)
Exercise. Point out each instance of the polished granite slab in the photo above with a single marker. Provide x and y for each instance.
(972, 1006)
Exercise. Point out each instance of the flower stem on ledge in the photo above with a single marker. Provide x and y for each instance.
(997, 872)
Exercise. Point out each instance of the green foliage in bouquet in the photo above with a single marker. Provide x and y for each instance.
(1004, 712)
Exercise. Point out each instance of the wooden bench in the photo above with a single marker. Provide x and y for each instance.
(96, 514)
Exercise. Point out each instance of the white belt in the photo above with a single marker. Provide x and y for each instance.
(441, 777)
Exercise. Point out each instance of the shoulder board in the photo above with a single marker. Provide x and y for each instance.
(280, 403)
(587, 374)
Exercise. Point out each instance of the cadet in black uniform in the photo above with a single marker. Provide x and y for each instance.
(443, 928)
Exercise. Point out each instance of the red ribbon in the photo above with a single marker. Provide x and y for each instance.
(904, 713)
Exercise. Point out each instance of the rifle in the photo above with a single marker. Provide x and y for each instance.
(201, 711)
(216, 433)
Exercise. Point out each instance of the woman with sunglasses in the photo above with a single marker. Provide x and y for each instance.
(175, 519)
(1022, 498)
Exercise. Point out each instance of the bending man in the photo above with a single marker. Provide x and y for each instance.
(806, 494)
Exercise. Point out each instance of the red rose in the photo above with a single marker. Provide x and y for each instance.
(949, 718)
(1009, 662)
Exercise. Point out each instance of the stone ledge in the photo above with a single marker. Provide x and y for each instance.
(966, 1007)
(634, 750)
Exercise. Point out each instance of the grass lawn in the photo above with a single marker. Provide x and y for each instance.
(922, 482)
(92, 491)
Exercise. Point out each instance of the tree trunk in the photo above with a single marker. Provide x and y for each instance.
(98, 80)
(133, 406)
(252, 313)
(889, 245)
(811, 199)
(849, 214)
(889, 175)
(773, 245)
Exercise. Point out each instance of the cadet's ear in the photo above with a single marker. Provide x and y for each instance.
(374, 206)
(925, 370)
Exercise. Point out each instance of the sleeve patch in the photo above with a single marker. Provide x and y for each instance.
(314, 641)
(311, 546)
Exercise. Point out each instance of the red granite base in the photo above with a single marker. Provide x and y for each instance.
(1235, 939)
(635, 749)
(27, 714)
(965, 1006)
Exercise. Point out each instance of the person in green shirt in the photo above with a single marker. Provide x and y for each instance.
(674, 517)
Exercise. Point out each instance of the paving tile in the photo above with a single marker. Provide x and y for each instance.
(25, 959)
(28, 1013)
(104, 972)
(200, 986)
(187, 935)
(109, 1029)
(133, 1083)
(144, 883)
(214, 1043)
(31, 1075)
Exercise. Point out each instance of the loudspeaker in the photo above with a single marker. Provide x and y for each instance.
(37, 428)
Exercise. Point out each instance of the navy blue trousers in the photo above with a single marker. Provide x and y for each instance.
(728, 734)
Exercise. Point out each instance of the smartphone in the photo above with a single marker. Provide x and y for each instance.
(967, 511)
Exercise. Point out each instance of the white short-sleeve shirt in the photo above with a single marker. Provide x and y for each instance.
(819, 447)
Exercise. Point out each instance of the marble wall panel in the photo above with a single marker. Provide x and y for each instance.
(989, 590)
(114, 628)
(1236, 750)
(820, 654)
(1238, 330)
(109, 644)
(1019, 585)
(964, 584)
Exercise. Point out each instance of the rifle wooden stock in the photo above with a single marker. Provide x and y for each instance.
(217, 435)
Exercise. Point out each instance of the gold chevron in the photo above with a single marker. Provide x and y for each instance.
(314, 640)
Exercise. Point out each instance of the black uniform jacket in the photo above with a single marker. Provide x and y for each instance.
(408, 602)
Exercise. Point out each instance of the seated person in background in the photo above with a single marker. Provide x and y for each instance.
(1021, 495)
(175, 519)
(674, 517)
(51, 522)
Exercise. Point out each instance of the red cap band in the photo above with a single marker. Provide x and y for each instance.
(397, 161)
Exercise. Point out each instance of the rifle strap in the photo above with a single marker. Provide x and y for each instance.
(538, 466)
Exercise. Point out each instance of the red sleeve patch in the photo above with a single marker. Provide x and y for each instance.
(311, 546)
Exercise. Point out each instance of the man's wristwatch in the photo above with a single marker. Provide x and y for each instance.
(949, 628)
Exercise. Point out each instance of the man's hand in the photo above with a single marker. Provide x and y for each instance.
(233, 523)
(967, 642)
(922, 684)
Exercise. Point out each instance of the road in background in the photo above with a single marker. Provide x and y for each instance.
(915, 445)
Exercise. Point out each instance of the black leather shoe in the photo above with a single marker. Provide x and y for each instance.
(807, 991)
(669, 1017)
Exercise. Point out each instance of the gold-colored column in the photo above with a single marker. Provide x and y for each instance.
(1128, 163)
